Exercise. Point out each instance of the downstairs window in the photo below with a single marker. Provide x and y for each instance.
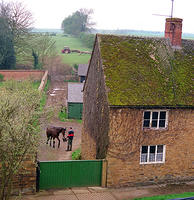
(152, 154)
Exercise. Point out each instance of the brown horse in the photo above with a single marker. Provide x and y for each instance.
(53, 132)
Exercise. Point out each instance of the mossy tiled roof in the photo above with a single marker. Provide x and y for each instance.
(147, 71)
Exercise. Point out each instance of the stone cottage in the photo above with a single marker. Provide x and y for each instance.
(138, 107)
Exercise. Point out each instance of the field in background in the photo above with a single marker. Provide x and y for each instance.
(75, 43)
(72, 43)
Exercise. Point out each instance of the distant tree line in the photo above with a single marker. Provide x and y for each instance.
(87, 39)
(79, 25)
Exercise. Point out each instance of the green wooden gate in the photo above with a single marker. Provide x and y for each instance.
(74, 173)
(75, 110)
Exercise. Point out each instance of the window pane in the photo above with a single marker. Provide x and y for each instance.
(159, 157)
(162, 123)
(155, 115)
(152, 154)
(160, 149)
(144, 157)
(152, 149)
(154, 123)
(152, 157)
(146, 123)
(144, 149)
(163, 115)
(147, 115)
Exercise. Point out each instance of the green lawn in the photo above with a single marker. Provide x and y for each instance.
(44, 96)
(72, 43)
(36, 84)
(167, 197)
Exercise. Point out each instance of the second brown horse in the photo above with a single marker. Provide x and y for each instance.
(53, 132)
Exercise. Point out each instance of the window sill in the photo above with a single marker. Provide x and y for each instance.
(155, 129)
(148, 163)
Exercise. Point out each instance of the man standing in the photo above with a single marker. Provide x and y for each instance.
(70, 139)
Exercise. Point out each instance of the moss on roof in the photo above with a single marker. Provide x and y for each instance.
(146, 71)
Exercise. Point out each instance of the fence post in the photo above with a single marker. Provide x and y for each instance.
(104, 173)
(38, 176)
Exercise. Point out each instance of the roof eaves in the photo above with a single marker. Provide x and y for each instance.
(153, 106)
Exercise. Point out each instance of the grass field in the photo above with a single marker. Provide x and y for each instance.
(167, 197)
(72, 43)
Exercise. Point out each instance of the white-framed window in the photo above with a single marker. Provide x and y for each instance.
(156, 119)
(152, 154)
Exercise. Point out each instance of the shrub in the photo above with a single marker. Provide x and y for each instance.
(19, 128)
(76, 155)
(63, 114)
(76, 66)
(1, 77)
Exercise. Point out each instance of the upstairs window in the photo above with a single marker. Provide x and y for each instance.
(155, 119)
(152, 154)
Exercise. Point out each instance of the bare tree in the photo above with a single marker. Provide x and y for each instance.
(19, 18)
(44, 46)
(20, 22)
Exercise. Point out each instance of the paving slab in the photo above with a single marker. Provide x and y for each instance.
(130, 194)
(82, 190)
(97, 189)
(96, 196)
(63, 192)
(65, 197)
(40, 198)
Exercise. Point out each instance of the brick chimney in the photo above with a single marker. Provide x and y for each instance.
(173, 30)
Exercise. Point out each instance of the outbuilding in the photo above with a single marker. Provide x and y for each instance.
(75, 100)
(82, 72)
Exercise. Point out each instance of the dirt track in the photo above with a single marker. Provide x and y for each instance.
(56, 99)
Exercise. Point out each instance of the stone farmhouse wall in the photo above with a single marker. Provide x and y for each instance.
(95, 112)
(126, 136)
(22, 74)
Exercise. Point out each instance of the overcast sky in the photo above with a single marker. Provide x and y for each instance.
(113, 14)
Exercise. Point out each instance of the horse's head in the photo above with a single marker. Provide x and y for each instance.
(63, 130)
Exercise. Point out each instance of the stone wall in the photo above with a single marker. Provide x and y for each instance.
(22, 74)
(25, 181)
(126, 137)
(95, 111)
(43, 81)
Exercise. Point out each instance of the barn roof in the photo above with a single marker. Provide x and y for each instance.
(75, 94)
(82, 69)
(147, 71)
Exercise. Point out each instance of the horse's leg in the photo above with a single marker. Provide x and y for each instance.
(47, 140)
(58, 142)
(53, 142)
(50, 140)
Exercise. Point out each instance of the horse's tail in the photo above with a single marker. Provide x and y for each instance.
(47, 133)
